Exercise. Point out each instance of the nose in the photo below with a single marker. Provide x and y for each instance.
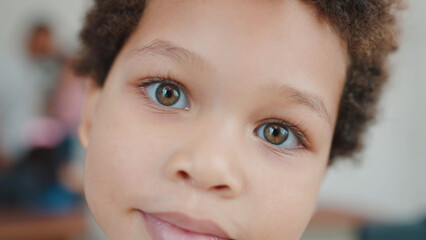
(208, 164)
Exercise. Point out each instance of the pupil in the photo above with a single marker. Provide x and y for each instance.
(275, 132)
(167, 93)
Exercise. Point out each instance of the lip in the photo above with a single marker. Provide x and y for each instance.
(175, 225)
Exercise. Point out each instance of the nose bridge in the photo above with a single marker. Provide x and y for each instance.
(218, 132)
(207, 160)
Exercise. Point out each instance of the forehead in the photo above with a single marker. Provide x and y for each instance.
(262, 28)
(270, 40)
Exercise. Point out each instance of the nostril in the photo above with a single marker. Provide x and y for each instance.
(183, 175)
(221, 187)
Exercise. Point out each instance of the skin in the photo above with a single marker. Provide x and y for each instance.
(247, 58)
(41, 44)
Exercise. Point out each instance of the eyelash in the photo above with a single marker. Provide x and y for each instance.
(298, 129)
(159, 78)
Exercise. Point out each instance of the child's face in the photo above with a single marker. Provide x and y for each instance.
(242, 141)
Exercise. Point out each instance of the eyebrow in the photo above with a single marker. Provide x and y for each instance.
(169, 50)
(312, 101)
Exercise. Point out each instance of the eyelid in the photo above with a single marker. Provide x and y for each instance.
(150, 80)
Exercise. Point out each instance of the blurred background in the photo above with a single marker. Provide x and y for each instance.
(381, 196)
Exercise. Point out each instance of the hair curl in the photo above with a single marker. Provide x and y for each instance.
(367, 26)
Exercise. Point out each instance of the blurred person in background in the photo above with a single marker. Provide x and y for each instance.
(43, 175)
(26, 86)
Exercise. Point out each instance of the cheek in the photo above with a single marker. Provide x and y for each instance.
(125, 154)
(287, 198)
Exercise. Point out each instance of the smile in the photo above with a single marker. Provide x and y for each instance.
(177, 226)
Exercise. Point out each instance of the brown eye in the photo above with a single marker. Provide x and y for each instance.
(280, 134)
(167, 94)
(275, 133)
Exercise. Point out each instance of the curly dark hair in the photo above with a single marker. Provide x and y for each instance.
(367, 26)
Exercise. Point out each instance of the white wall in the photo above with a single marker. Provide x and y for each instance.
(390, 182)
